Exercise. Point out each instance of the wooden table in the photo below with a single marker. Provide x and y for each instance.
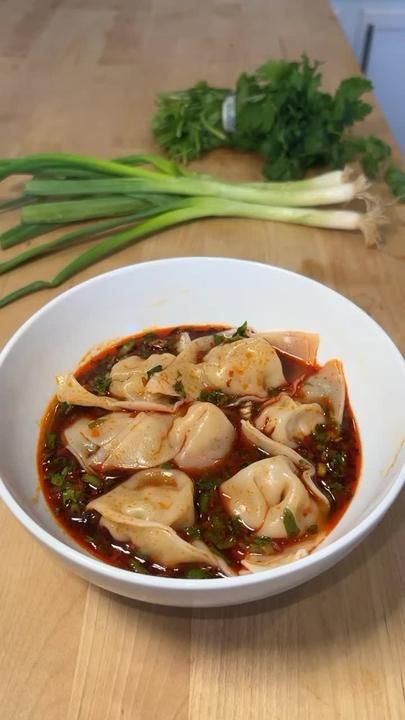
(81, 75)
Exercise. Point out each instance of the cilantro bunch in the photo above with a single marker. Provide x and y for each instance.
(283, 114)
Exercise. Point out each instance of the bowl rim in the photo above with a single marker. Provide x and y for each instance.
(91, 563)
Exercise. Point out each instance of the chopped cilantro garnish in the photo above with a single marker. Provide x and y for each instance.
(137, 566)
(209, 483)
(241, 331)
(204, 501)
(179, 387)
(214, 396)
(192, 532)
(51, 440)
(197, 574)
(100, 385)
(57, 479)
(261, 540)
(239, 334)
(290, 524)
(126, 348)
(65, 408)
(92, 480)
(153, 370)
(218, 339)
(70, 495)
(96, 423)
(337, 487)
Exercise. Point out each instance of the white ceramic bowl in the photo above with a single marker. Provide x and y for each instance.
(201, 290)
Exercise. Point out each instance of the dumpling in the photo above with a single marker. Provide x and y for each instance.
(204, 435)
(70, 391)
(184, 376)
(257, 562)
(164, 496)
(272, 447)
(161, 544)
(158, 542)
(246, 367)
(129, 375)
(327, 387)
(300, 344)
(261, 493)
(84, 437)
(122, 441)
(287, 421)
(144, 511)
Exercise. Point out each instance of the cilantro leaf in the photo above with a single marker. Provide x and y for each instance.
(395, 177)
(284, 115)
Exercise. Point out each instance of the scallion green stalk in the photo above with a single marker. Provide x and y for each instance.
(290, 196)
(193, 209)
(84, 233)
(89, 208)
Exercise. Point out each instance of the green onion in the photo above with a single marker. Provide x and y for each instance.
(72, 238)
(95, 423)
(136, 566)
(154, 370)
(51, 440)
(197, 574)
(192, 532)
(272, 194)
(290, 523)
(179, 387)
(126, 348)
(93, 480)
(193, 209)
(15, 203)
(143, 194)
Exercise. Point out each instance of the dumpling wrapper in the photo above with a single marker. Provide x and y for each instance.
(272, 447)
(185, 369)
(158, 542)
(122, 441)
(260, 493)
(119, 441)
(287, 421)
(246, 367)
(327, 387)
(70, 391)
(302, 345)
(162, 496)
(257, 562)
(249, 366)
(165, 500)
(129, 376)
(204, 436)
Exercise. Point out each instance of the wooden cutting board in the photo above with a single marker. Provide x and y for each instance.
(81, 76)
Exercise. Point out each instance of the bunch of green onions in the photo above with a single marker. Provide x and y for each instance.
(118, 202)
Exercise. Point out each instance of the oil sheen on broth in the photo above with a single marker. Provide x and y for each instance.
(201, 452)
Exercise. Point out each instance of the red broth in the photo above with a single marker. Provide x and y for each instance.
(68, 488)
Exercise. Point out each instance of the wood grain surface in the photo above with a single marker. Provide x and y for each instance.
(81, 76)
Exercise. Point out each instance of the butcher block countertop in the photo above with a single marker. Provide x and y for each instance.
(81, 76)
